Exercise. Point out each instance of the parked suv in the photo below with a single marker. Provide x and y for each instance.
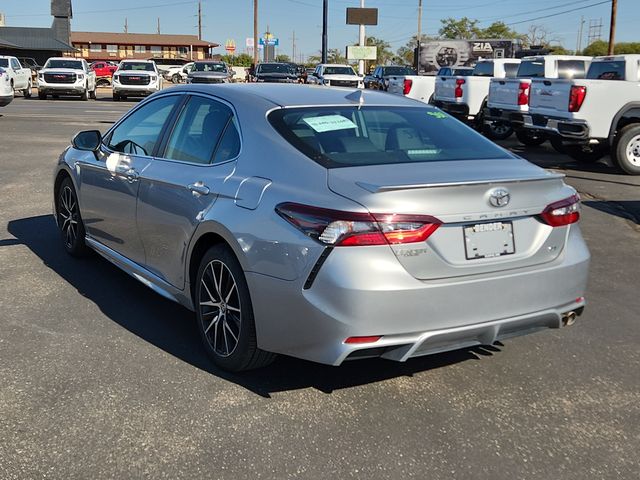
(336, 76)
(136, 78)
(66, 76)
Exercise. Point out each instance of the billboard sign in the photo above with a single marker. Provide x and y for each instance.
(362, 16)
(356, 52)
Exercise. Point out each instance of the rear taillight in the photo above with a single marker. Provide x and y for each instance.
(347, 229)
(576, 97)
(459, 83)
(523, 93)
(356, 340)
(408, 85)
(564, 212)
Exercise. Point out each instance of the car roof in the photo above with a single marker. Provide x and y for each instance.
(133, 60)
(617, 58)
(295, 95)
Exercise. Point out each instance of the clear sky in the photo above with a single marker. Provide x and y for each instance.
(233, 19)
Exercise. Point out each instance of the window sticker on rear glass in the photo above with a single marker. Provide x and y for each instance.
(329, 123)
(437, 114)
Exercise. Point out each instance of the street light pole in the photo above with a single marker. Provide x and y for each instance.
(255, 32)
(419, 36)
(612, 30)
(325, 10)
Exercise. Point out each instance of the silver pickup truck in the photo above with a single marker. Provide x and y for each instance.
(593, 116)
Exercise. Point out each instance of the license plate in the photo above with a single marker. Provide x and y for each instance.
(488, 240)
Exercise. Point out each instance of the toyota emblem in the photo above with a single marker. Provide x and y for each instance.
(499, 197)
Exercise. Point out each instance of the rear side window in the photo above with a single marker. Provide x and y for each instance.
(483, 69)
(531, 69)
(347, 136)
(610, 70)
(571, 68)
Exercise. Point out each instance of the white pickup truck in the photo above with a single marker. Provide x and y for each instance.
(509, 97)
(19, 78)
(421, 87)
(465, 97)
(66, 76)
(593, 116)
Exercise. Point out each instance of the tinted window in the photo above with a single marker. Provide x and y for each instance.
(209, 67)
(483, 69)
(571, 68)
(511, 70)
(274, 68)
(74, 64)
(398, 71)
(229, 146)
(348, 136)
(531, 69)
(606, 71)
(462, 71)
(135, 66)
(197, 131)
(4, 62)
(15, 64)
(338, 71)
(139, 132)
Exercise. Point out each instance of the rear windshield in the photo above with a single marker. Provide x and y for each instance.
(398, 71)
(462, 71)
(350, 136)
(483, 69)
(209, 67)
(4, 62)
(338, 71)
(74, 64)
(571, 68)
(606, 71)
(140, 67)
(531, 69)
(274, 68)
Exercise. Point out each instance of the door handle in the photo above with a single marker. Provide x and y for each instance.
(198, 188)
(131, 175)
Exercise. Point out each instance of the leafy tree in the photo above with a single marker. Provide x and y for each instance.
(384, 53)
(498, 30)
(600, 47)
(597, 48)
(283, 58)
(405, 54)
(242, 60)
(335, 55)
(464, 28)
(559, 50)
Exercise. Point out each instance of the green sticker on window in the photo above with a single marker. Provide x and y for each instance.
(439, 115)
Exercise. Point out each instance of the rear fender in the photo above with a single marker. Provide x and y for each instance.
(628, 114)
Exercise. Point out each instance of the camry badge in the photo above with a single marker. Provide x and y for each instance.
(499, 197)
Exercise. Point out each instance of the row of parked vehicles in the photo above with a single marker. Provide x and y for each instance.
(586, 107)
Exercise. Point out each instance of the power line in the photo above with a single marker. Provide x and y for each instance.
(559, 13)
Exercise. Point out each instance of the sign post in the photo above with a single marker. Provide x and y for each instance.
(361, 17)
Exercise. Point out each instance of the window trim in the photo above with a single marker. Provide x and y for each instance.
(162, 146)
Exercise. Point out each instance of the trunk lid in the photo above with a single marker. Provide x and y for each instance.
(457, 193)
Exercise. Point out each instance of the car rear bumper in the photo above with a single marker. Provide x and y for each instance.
(458, 110)
(366, 292)
(564, 127)
(77, 88)
(513, 117)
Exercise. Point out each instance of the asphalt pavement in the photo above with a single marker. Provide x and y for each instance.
(102, 378)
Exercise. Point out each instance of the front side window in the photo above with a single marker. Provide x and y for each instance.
(350, 136)
(15, 64)
(138, 134)
(511, 70)
(197, 132)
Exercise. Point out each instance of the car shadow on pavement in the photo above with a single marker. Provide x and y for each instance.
(171, 327)
(627, 209)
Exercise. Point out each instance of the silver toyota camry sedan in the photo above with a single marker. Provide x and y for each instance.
(323, 223)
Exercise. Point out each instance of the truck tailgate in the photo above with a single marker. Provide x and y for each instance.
(503, 93)
(550, 97)
(445, 89)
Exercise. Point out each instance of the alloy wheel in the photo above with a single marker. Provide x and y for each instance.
(68, 216)
(633, 151)
(220, 309)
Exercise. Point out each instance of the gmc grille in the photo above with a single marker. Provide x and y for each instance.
(344, 83)
(134, 79)
(60, 77)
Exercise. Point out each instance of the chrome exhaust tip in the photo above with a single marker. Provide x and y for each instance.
(569, 318)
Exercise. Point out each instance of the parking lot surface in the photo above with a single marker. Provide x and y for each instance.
(102, 378)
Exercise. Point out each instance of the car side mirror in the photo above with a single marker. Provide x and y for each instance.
(87, 140)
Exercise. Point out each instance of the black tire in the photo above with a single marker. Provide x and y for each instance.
(85, 95)
(225, 315)
(176, 78)
(530, 138)
(557, 143)
(42, 95)
(497, 130)
(92, 94)
(55, 95)
(123, 97)
(626, 151)
(69, 220)
(27, 91)
(585, 153)
(116, 97)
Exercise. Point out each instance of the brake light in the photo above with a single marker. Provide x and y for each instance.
(576, 97)
(371, 339)
(459, 83)
(347, 229)
(408, 84)
(564, 212)
(523, 93)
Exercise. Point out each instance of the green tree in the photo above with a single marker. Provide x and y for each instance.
(335, 55)
(597, 48)
(242, 60)
(498, 30)
(283, 58)
(464, 28)
(405, 54)
(383, 50)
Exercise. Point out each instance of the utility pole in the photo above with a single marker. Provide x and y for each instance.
(325, 10)
(199, 20)
(255, 32)
(293, 49)
(419, 40)
(158, 25)
(612, 30)
(363, 41)
(579, 43)
(126, 26)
